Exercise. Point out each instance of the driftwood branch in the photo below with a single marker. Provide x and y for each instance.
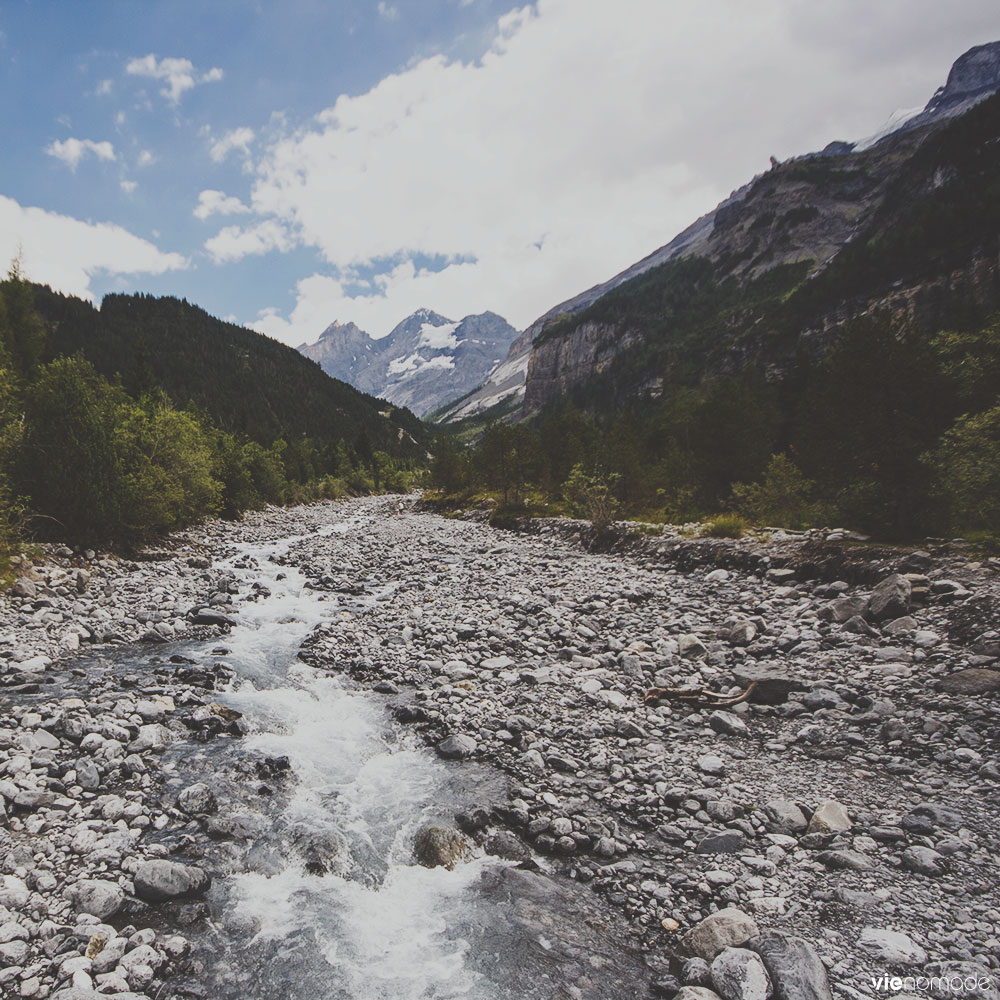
(700, 697)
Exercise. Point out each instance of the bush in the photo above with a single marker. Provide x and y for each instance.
(724, 526)
(966, 463)
(783, 498)
(591, 497)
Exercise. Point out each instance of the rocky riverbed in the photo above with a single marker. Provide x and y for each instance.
(835, 826)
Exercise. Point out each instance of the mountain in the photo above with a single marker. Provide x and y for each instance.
(764, 274)
(424, 362)
(246, 382)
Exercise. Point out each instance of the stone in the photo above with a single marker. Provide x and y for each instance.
(728, 928)
(439, 847)
(843, 609)
(829, 817)
(928, 817)
(739, 974)
(972, 681)
(786, 816)
(695, 993)
(728, 842)
(692, 648)
(197, 800)
(890, 599)
(156, 881)
(845, 860)
(98, 897)
(923, 861)
(773, 684)
(151, 737)
(727, 723)
(711, 763)
(796, 971)
(891, 946)
(457, 747)
(506, 845)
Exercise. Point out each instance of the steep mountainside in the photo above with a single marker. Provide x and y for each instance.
(424, 362)
(765, 272)
(246, 382)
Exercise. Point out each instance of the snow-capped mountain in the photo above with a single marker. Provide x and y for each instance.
(426, 361)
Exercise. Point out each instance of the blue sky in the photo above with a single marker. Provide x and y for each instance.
(288, 164)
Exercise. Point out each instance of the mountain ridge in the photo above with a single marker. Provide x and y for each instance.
(425, 361)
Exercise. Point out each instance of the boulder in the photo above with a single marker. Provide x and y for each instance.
(829, 817)
(457, 747)
(890, 599)
(774, 684)
(156, 881)
(972, 681)
(439, 847)
(891, 946)
(786, 816)
(727, 928)
(796, 971)
(100, 898)
(197, 800)
(739, 974)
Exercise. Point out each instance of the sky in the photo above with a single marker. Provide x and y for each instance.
(288, 164)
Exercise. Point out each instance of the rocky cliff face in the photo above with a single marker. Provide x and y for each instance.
(803, 212)
(424, 362)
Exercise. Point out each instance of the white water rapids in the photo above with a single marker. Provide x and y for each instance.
(376, 925)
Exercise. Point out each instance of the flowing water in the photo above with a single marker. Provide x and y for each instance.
(368, 923)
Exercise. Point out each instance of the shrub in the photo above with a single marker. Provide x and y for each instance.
(784, 497)
(591, 497)
(724, 526)
(967, 468)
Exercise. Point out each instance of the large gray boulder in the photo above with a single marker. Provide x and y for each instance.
(156, 881)
(797, 972)
(197, 799)
(890, 599)
(727, 928)
(739, 974)
(97, 897)
(457, 747)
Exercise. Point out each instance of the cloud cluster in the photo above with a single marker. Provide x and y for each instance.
(72, 151)
(212, 202)
(236, 139)
(66, 253)
(235, 243)
(178, 75)
(588, 135)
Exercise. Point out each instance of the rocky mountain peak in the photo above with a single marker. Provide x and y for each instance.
(974, 74)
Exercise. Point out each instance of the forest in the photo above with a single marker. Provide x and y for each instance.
(120, 424)
(892, 432)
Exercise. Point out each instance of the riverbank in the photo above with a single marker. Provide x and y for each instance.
(849, 802)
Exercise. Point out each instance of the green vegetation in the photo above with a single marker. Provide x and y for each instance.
(119, 425)
(725, 526)
(892, 432)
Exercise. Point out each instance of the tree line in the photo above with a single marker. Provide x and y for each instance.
(892, 432)
(102, 459)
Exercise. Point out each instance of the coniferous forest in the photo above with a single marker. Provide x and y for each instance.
(121, 423)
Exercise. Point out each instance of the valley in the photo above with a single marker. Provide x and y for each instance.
(315, 686)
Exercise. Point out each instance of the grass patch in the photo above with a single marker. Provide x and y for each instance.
(724, 526)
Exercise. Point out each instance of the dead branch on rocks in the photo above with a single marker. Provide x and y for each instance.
(700, 697)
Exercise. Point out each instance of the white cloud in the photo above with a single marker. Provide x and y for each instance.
(179, 75)
(236, 139)
(66, 253)
(72, 151)
(234, 243)
(146, 159)
(586, 137)
(128, 186)
(387, 11)
(218, 203)
(104, 88)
